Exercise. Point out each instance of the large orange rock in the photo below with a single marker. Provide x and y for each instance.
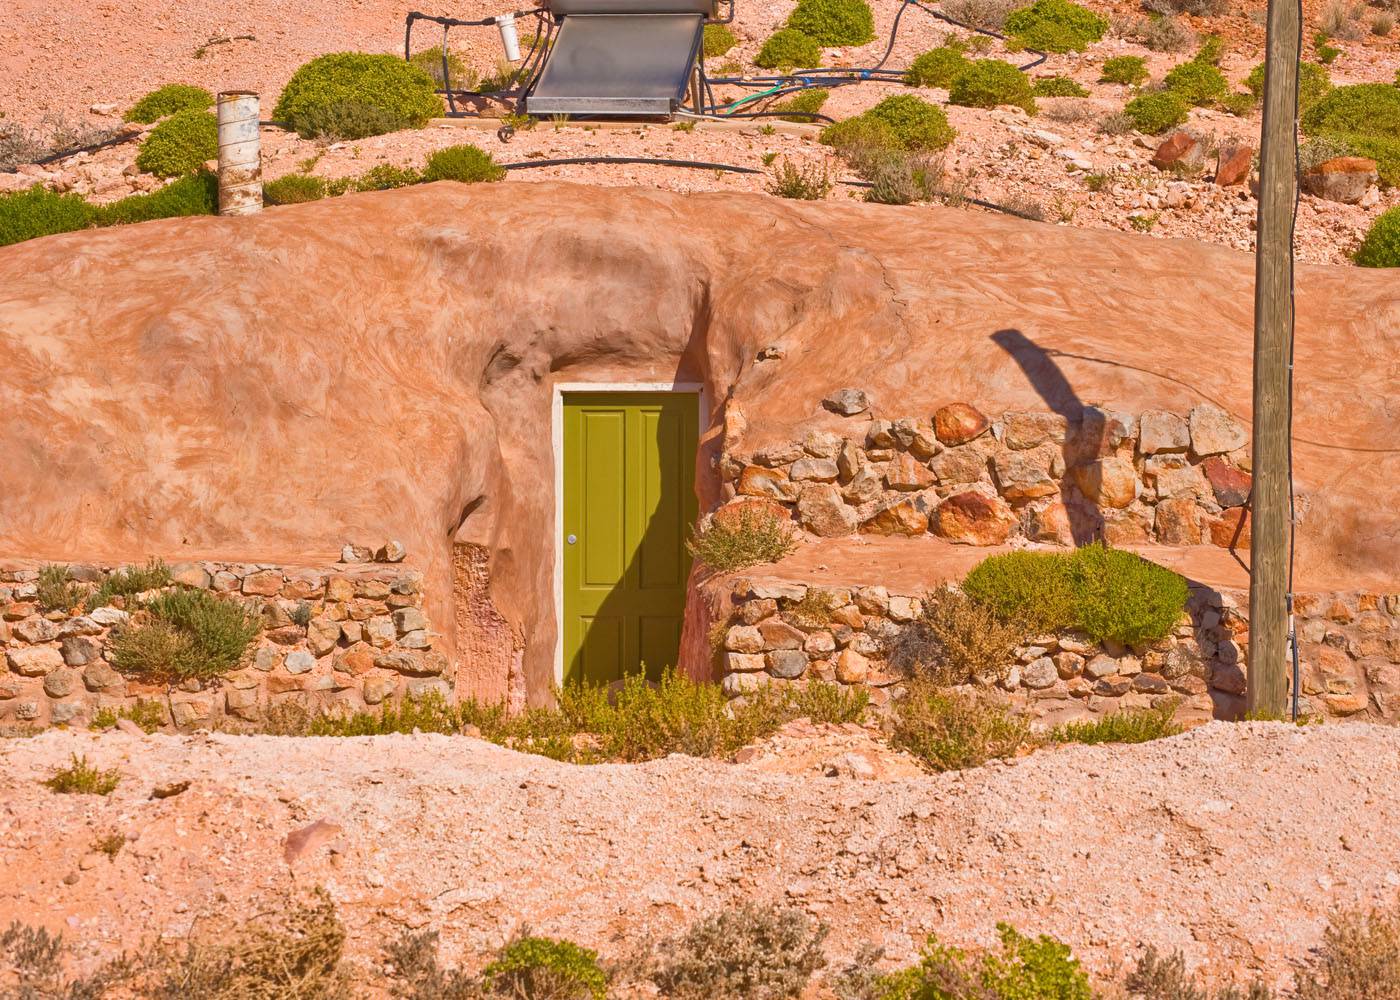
(974, 517)
(959, 423)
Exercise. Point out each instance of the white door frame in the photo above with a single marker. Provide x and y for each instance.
(556, 426)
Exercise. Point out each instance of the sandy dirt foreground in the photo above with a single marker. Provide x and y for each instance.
(1231, 842)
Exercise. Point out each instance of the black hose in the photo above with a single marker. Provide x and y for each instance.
(115, 140)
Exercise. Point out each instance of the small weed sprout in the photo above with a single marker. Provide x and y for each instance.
(1139, 726)
(808, 182)
(56, 589)
(544, 967)
(110, 844)
(82, 778)
(951, 730)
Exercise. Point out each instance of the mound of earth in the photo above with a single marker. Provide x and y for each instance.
(1232, 842)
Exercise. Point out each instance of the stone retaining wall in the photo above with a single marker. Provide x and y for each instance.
(1155, 477)
(365, 638)
(1349, 648)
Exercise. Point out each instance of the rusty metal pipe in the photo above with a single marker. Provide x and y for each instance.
(240, 154)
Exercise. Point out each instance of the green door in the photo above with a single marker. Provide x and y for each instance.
(629, 501)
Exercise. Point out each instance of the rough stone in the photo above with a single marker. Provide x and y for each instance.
(972, 517)
(819, 644)
(417, 639)
(1344, 179)
(778, 634)
(34, 630)
(743, 662)
(63, 712)
(958, 466)
(851, 667)
(322, 634)
(743, 639)
(872, 600)
(1174, 476)
(821, 444)
(1162, 431)
(822, 512)
(409, 620)
(1178, 522)
(392, 551)
(1108, 482)
(1232, 164)
(738, 685)
(1027, 474)
(821, 470)
(756, 481)
(848, 461)
(1101, 666)
(265, 583)
(1049, 522)
(1040, 673)
(375, 689)
(34, 661)
(299, 661)
(1068, 665)
(1022, 430)
(380, 632)
(959, 423)
(101, 676)
(1150, 684)
(787, 664)
(356, 661)
(350, 553)
(1179, 151)
(847, 402)
(60, 683)
(1231, 529)
(1214, 431)
(906, 474)
(865, 485)
(82, 625)
(79, 650)
(905, 517)
(1229, 484)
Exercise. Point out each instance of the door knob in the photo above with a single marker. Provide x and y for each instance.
(573, 539)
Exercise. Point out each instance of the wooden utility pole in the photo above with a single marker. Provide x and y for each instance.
(1273, 348)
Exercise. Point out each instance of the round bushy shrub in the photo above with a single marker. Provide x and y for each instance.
(803, 105)
(294, 189)
(180, 145)
(26, 215)
(718, 40)
(1381, 248)
(936, 67)
(1127, 70)
(465, 163)
(168, 100)
(1198, 83)
(545, 967)
(860, 133)
(1364, 108)
(1055, 26)
(1155, 113)
(917, 123)
(1313, 83)
(834, 22)
(1058, 86)
(787, 49)
(352, 95)
(990, 82)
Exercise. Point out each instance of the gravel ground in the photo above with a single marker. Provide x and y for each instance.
(1231, 842)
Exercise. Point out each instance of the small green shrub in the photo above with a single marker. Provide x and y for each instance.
(110, 844)
(950, 730)
(169, 100)
(131, 580)
(1029, 587)
(916, 123)
(293, 189)
(180, 145)
(82, 778)
(987, 83)
(56, 589)
(1362, 109)
(732, 539)
(351, 95)
(1212, 50)
(386, 177)
(957, 638)
(805, 182)
(834, 22)
(1155, 113)
(718, 40)
(1055, 26)
(37, 211)
(1197, 83)
(748, 951)
(186, 634)
(1127, 70)
(1238, 104)
(820, 702)
(148, 714)
(788, 49)
(1326, 54)
(1039, 968)
(1168, 34)
(860, 134)
(1121, 596)
(196, 194)
(465, 163)
(897, 176)
(548, 969)
(1121, 727)
(1058, 86)
(937, 67)
(430, 62)
(803, 105)
(1381, 247)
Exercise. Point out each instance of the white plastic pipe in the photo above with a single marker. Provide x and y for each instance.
(510, 39)
(240, 154)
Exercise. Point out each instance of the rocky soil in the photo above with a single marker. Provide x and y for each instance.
(1232, 842)
(1059, 165)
